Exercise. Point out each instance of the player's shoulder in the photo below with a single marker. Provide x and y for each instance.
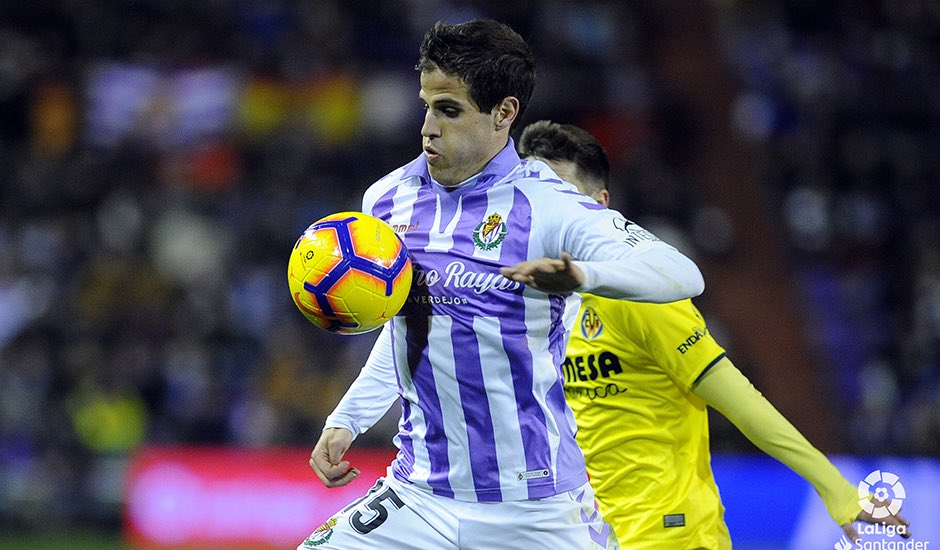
(642, 313)
(537, 178)
(385, 185)
(388, 181)
(540, 184)
(682, 308)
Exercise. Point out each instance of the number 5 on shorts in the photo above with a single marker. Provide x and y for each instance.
(381, 512)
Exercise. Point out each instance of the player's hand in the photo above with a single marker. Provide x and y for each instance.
(896, 520)
(550, 275)
(327, 458)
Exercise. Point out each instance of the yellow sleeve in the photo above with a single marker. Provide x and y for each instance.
(726, 389)
(677, 339)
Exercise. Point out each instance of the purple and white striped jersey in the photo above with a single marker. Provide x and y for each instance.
(476, 356)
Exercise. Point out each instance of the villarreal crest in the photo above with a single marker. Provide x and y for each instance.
(591, 324)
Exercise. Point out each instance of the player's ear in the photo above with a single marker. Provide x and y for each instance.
(505, 113)
(602, 196)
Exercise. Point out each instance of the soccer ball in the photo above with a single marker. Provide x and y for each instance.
(349, 273)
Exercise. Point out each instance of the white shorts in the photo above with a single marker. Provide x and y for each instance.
(395, 515)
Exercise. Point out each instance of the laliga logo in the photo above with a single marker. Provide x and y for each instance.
(888, 494)
(880, 495)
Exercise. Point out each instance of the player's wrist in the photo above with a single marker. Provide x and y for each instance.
(584, 275)
(340, 424)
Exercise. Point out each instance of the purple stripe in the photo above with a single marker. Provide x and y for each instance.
(473, 211)
(528, 410)
(481, 436)
(423, 209)
(570, 458)
(382, 208)
(449, 200)
(422, 376)
(557, 340)
(515, 248)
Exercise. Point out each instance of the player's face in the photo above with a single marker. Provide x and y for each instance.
(458, 139)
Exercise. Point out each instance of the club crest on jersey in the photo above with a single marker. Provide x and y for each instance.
(321, 535)
(490, 232)
(591, 324)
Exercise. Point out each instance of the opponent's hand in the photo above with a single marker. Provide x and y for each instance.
(550, 275)
(327, 458)
(896, 520)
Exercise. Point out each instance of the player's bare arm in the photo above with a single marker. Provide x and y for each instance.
(547, 274)
(327, 458)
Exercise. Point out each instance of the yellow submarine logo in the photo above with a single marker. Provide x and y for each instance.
(591, 324)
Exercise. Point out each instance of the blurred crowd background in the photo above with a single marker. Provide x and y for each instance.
(158, 158)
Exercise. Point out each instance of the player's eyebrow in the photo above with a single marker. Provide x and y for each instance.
(446, 102)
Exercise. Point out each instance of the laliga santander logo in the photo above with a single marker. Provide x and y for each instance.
(888, 493)
(880, 495)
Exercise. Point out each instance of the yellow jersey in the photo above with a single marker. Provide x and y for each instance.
(628, 374)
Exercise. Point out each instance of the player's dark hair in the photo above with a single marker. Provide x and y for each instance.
(491, 58)
(554, 141)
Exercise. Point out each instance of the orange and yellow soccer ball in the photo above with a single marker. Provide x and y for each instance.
(349, 273)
